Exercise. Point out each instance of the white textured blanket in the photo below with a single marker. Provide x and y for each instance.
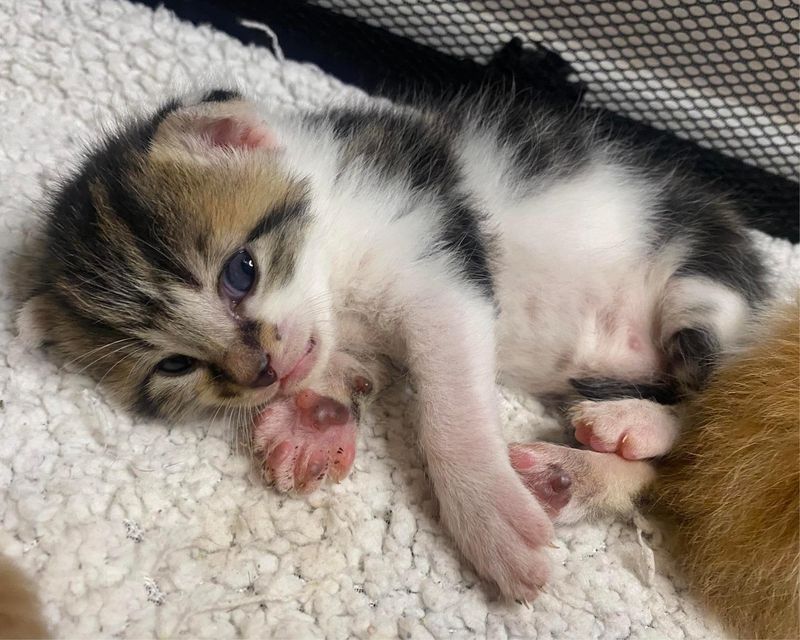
(133, 529)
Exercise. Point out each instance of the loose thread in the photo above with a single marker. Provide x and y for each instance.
(259, 26)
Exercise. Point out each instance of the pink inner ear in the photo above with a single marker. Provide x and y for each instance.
(235, 133)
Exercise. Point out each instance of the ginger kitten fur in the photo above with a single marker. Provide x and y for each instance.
(732, 484)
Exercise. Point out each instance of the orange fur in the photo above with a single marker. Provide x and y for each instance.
(731, 486)
(20, 615)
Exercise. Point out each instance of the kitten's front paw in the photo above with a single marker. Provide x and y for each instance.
(502, 533)
(633, 428)
(304, 439)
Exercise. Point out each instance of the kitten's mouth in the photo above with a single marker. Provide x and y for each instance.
(302, 367)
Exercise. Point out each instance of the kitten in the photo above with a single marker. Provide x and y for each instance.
(220, 256)
(20, 609)
(732, 485)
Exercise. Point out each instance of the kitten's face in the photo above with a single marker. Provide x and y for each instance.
(178, 269)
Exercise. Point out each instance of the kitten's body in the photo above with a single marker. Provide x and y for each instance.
(576, 236)
(460, 243)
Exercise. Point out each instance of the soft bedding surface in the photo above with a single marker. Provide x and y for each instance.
(133, 529)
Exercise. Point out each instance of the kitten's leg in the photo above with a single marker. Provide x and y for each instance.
(312, 435)
(575, 484)
(492, 517)
(696, 319)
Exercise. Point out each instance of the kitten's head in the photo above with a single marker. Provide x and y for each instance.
(177, 267)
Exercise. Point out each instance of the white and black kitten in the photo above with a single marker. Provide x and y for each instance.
(218, 256)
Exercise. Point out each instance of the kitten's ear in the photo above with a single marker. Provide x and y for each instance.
(235, 132)
(210, 128)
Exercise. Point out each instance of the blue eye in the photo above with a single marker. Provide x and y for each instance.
(176, 365)
(238, 275)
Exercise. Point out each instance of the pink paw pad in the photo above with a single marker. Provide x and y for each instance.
(305, 439)
(634, 429)
(547, 480)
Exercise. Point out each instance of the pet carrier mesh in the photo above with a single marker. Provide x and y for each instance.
(711, 85)
(721, 74)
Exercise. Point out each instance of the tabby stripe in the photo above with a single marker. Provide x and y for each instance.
(278, 218)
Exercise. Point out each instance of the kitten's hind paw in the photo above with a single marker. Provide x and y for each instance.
(577, 484)
(545, 478)
(634, 429)
(304, 439)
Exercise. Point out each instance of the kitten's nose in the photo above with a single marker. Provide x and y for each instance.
(266, 375)
(249, 367)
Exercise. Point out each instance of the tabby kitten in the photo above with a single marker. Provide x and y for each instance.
(220, 255)
(20, 609)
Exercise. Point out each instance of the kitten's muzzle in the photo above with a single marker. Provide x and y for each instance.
(249, 367)
(266, 376)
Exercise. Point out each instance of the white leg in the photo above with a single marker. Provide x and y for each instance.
(700, 318)
(494, 520)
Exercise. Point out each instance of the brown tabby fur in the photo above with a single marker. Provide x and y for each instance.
(20, 615)
(134, 315)
(732, 486)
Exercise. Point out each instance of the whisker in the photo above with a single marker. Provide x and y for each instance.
(120, 361)
(95, 350)
(103, 356)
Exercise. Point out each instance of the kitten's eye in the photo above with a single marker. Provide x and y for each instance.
(176, 365)
(238, 275)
